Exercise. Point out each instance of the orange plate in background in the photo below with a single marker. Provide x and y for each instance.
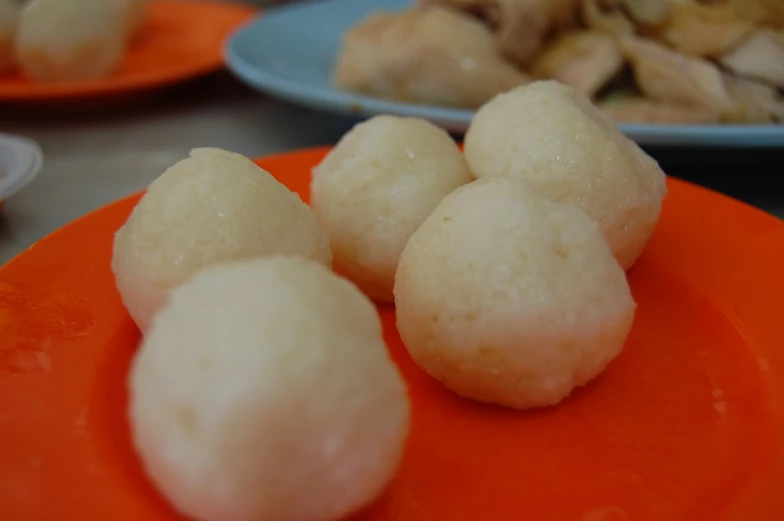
(179, 41)
(686, 425)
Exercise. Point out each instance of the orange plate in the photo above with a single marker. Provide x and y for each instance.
(180, 40)
(686, 425)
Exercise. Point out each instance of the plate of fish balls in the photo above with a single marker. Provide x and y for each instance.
(536, 324)
(53, 49)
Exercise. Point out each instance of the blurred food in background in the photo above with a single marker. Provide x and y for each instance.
(9, 11)
(642, 61)
(67, 40)
(430, 55)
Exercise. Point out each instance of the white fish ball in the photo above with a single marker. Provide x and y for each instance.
(509, 298)
(554, 138)
(264, 392)
(376, 187)
(70, 40)
(214, 206)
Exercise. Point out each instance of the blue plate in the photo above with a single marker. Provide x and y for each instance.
(290, 50)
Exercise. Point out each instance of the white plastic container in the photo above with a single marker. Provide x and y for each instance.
(20, 162)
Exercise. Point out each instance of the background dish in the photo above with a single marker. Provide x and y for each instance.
(174, 45)
(20, 161)
(289, 53)
(686, 424)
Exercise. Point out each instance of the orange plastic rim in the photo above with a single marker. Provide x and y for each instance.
(686, 425)
(179, 41)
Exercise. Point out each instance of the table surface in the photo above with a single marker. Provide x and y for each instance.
(95, 154)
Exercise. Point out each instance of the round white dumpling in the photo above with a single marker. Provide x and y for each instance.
(509, 298)
(9, 15)
(214, 206)
(376, 187)
(70, 40)
(264, 392)
(554, 138)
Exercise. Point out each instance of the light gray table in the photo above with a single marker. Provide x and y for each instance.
(92, 160)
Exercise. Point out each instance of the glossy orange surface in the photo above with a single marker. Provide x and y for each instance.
(686, 425)
(179, 41)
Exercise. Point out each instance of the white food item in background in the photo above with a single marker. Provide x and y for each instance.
(264, 392)
(509, 298)
(70, 40)
(214, 206)
(376, 187)
(434, 55)
(761, 57)
(556, 140)
(9, 15)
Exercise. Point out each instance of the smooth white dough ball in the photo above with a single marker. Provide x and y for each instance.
(264, 392)
(9, 15)
(554, 138)
(509, 298)
(214, 206)
(70, 40)
(376, 187)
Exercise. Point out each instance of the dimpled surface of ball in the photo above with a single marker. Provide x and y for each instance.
(9, 15)
(376, 187)
(70, 40)
(214, 206)
(509, 298)
(559, 142)
(264, 392)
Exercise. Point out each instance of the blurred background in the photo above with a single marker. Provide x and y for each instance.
(100, 148)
